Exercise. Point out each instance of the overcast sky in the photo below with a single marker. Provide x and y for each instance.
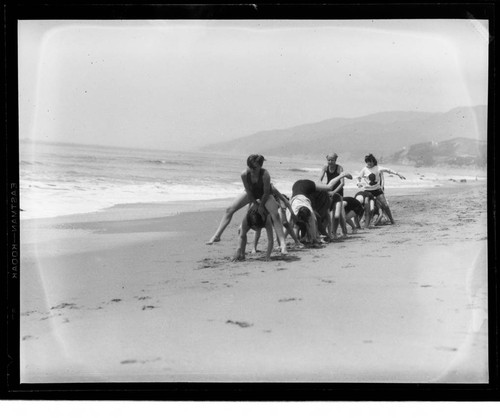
(181, 84)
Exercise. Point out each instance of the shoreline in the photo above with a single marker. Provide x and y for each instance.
(416, 179)
(131, 298)
(144, 210)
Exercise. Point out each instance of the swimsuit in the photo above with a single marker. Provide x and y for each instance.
(376, 187)
(298, 201)
(336, 198)
(303, 187)
(353, 204)
(365, 194)
(330, 176)
(256, 188)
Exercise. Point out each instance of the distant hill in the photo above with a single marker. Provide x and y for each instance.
(382, 134)
(456, 151)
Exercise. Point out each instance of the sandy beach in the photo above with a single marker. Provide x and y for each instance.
(133, 294)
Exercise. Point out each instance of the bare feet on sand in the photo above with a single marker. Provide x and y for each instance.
(239, 256)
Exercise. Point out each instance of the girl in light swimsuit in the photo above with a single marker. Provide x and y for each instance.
(371, 176)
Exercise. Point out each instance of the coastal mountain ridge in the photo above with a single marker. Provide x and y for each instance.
(388, 135)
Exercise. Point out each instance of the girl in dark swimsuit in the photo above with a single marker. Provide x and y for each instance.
(354, 211)
(332, 170)
(257, 183)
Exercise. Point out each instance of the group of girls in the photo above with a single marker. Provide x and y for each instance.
(307, 214)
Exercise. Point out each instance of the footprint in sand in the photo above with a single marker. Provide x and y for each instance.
(28, 313)
(50, 316)
(443, 348)
(241, 324)
(140, 361)
(207, 263)
(65, 305)
(29, 337)
(290, 300)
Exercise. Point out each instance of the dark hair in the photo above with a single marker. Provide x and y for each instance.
(371, 158)
(359, 210)
(303, 216)
(254, 219)
(255, 159)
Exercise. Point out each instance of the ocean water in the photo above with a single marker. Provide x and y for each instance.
(62, 179)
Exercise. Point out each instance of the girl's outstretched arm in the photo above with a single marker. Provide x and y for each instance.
(285, 201)
(388, 170)
(329, 187)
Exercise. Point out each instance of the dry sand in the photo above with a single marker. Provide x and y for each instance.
(132, 295)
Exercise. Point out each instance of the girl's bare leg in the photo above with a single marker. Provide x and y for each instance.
(256, 240)
(367, 214)
(331, 231)
(336, 218)
(272, 208)
(339, 219)
(241, 200)
(351, 224)
(343, 224)
(290, 230)
(385, 207)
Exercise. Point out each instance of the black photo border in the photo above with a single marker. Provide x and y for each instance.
(11, 388)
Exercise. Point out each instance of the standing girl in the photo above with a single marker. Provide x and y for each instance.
(371, 176)
(332, 170)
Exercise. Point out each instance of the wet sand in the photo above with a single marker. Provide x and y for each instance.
(133, 295)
